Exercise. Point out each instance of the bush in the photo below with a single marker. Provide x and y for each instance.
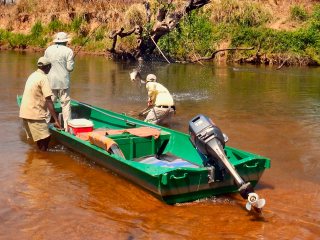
(99, 34)
(274, 41)
(4, 35)
(76, 24)
(193, 35)
(37, 29)
(57, 26)
(18, 40)
(316, 12)
(298, 13)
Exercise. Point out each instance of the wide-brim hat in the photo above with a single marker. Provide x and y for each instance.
(43, 61)
(61, 37)
(151, 78)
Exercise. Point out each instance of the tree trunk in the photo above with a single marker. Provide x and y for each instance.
(166, 21)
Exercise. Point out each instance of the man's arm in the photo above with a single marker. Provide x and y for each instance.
(52, 112)
(70, 61)
(151, 88)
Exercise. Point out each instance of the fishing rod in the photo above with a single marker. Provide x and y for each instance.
(145, 111)
(87, 39)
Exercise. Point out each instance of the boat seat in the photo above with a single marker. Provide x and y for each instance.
(139, 131)
(166, 160)
(105, 143)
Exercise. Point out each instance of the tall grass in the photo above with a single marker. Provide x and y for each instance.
(26, 6)
(244, 13)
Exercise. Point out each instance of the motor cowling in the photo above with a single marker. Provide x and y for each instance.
(202, 130)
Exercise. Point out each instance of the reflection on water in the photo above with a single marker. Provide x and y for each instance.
(60, 194)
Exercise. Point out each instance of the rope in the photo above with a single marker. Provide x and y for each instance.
(159, 50)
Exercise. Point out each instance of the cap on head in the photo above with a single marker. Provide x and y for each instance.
(61, 37)
(43, 61)
(151, 78)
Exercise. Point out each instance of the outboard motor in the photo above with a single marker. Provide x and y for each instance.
(210, 141)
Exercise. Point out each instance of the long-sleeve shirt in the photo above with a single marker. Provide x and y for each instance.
(61, 58)
(159, 95)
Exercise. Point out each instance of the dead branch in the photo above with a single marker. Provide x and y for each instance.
(220, 50)
(148, 10)
(283, 63)
(114, 35)
(195, 4)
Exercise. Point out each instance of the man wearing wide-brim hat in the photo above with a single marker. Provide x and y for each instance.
(62, 60)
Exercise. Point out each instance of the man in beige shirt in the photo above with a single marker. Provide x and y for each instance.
(36, 100)
(161, 101)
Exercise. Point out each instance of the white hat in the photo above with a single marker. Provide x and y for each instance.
(61, 37)
(151, 78)
(43, 61)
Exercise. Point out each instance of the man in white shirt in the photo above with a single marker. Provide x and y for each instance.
(161, 101)
(36, 100)
(61, 58)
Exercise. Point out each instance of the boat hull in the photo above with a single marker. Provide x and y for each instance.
(171, 186)
(168, 183)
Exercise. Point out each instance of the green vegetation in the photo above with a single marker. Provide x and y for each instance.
(56, 25)
(230, 23)
(201, 33)
(41, 35)
(303, 42)
(194, 35)
(298, 13)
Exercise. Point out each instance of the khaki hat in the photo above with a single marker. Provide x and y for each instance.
(151, 78)
(43, 61)
(61, 37)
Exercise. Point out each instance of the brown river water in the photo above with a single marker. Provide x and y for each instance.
(61, 195)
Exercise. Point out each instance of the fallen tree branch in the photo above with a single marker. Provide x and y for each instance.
(282, 64)
(114, 35)
(220, 50)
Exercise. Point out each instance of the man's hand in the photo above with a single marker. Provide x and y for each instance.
(57, 125)
(150, 103)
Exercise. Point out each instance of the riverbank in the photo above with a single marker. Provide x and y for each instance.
(279, 33)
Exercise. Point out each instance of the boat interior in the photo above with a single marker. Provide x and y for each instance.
(143, 144)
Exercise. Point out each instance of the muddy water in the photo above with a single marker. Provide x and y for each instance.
(60, 195)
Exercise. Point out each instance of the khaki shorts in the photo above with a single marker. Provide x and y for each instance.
(159, 115)
(36, 129)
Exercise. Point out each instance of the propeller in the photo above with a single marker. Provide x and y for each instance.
(210, 141)
(255, 202)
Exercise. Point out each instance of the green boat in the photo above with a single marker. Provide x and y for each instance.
(173, 166)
